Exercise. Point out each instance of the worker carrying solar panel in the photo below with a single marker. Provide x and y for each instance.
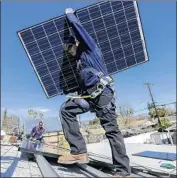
(95, 83)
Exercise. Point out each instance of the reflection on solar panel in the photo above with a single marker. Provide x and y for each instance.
(114, 25)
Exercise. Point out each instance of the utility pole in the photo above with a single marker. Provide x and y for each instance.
(149, 88)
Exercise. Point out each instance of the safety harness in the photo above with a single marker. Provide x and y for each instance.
(104, 81)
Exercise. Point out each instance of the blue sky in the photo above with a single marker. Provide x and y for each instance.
(21, 89)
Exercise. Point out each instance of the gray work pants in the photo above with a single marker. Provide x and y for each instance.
(104, 107)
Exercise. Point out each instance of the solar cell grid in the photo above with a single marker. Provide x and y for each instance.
(114, 25)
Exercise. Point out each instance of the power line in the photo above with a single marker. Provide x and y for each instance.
(141, 110)
(166, 104)
(156, 105)
(142, 101)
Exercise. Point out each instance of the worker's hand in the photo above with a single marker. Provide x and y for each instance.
(69, 10)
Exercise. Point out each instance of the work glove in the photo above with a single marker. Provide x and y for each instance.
(69, 10)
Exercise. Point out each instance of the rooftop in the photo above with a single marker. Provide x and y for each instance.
(132, 148)
(16, 164)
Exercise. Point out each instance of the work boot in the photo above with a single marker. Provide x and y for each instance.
(117, 175)
(71, 159)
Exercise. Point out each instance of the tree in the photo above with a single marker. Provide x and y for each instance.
(94, 121)
(5, 115)
(125, 111)
(4, 122)
(34, 114)
(23, 128)
(162, 112)
(175, 107)
(165, 123)
(150, 106)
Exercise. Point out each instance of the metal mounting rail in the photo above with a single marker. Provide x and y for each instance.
(94, 172)
(45, 167)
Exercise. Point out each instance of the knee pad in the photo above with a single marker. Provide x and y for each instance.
(82, 103)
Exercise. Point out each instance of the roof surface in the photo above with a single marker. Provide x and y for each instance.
(132, 148)
(16, 164)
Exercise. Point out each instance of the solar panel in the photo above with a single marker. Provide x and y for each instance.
(157, 155)
(114, 25)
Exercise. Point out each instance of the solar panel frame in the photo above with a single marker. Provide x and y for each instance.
(114, 63)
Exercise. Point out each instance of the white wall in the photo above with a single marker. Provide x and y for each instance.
(142, 138)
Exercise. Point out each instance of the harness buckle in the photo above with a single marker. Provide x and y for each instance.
(99, 89)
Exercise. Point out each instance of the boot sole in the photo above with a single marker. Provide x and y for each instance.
(122, 176)
(74, 162)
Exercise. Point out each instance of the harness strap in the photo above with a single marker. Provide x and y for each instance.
(105, 81)
(79, 97)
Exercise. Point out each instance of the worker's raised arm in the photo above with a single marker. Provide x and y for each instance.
(81, 34)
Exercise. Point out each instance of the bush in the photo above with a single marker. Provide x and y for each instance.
(94, 121)
(161, 112)
(165, 122)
